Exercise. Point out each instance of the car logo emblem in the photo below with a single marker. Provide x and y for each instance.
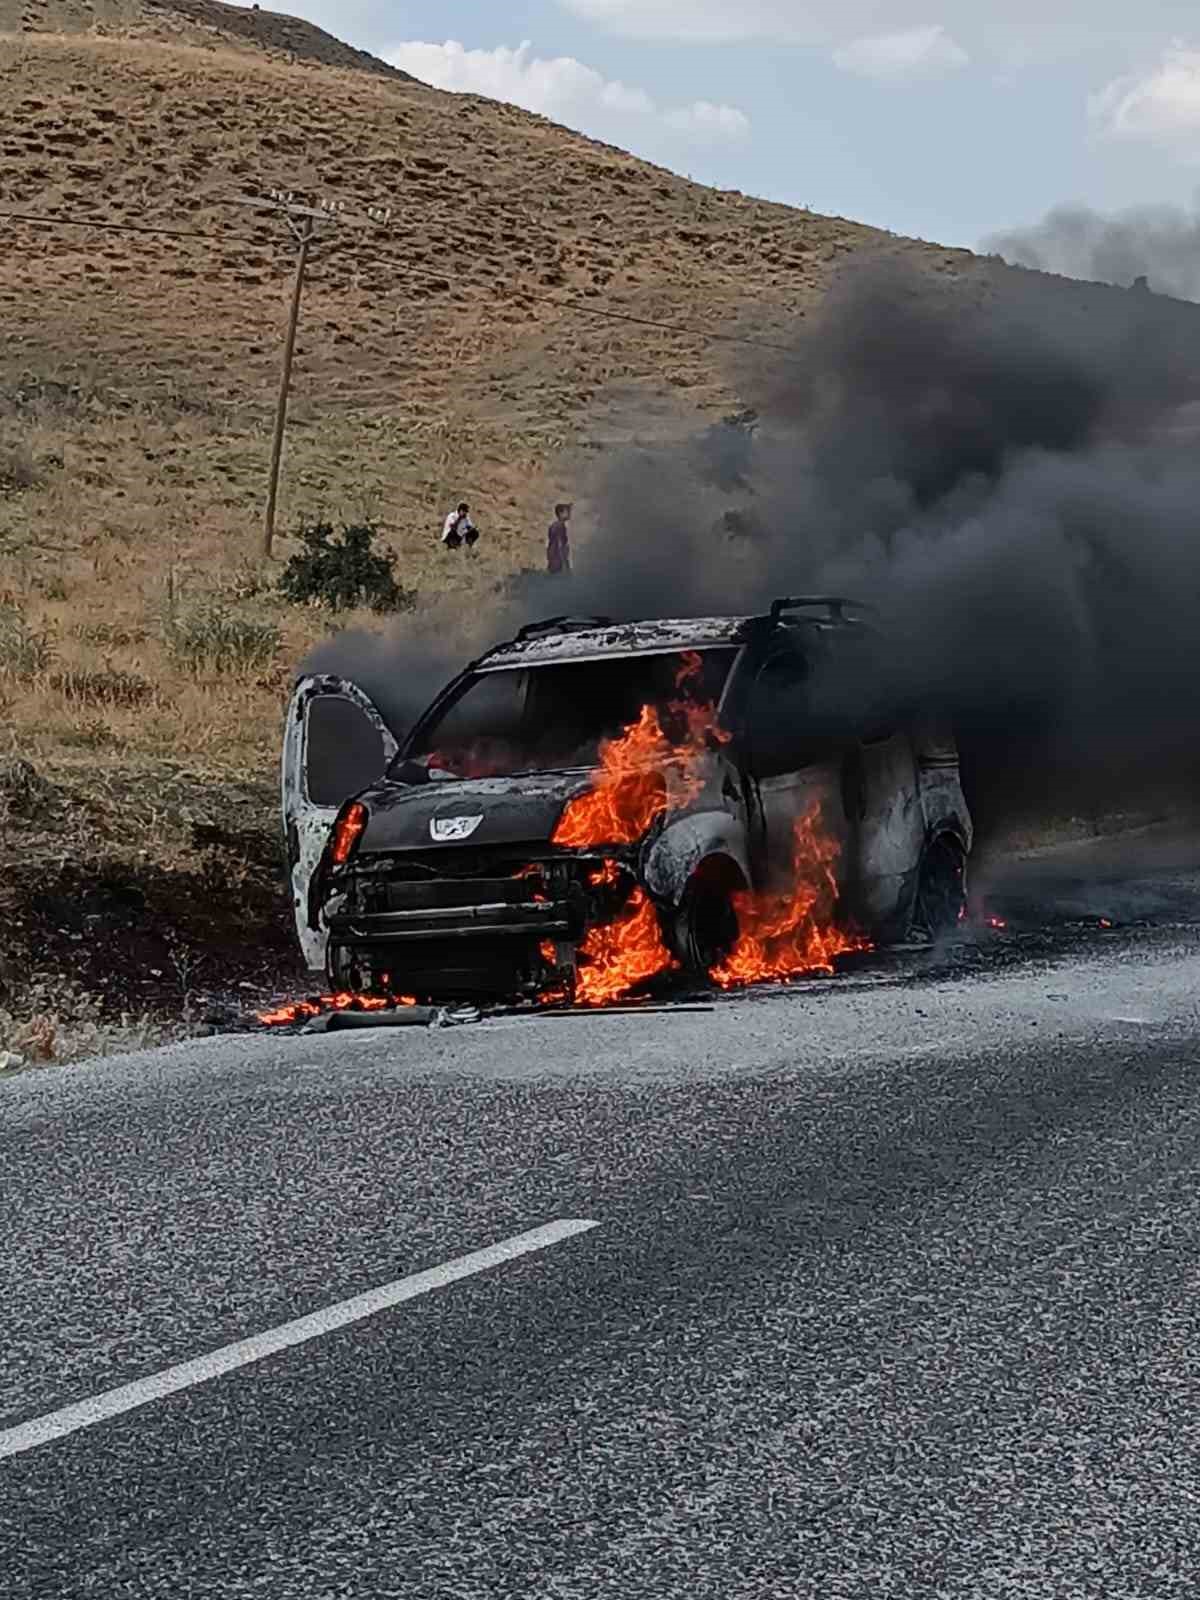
(443, 829)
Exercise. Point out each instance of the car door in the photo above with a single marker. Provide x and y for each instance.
(792, 771)
(890, 825)
(336, 744)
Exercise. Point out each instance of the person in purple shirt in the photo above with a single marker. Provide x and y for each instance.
(558, 542)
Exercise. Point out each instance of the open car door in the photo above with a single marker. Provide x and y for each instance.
(336, 744)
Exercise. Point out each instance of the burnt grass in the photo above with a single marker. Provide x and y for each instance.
(143, 895)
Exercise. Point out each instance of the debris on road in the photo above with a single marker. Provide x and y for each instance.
(405, 1017)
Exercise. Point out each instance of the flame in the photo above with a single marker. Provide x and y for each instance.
(781, 935)
(527, 875)
(630, 792)
(303, 1009)
(786, 934)
(691, 665)
(616, 956)
(483, 759)
(626, 797)
(560, 994)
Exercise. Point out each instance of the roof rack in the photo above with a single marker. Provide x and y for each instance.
(535, 630)
(835, 606)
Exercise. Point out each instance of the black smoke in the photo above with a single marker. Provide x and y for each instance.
(1004, 464)
(1158, 243)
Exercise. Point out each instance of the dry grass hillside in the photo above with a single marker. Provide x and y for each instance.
(198, 22)
(139, 370)
(436, 358)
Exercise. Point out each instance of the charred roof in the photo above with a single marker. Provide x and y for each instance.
(589, 638)
(616, 639)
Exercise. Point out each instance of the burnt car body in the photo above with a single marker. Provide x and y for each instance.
(449, 882)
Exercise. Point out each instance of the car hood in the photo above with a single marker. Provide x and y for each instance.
(523, 810)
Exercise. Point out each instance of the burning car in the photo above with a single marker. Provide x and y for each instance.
(592, 806)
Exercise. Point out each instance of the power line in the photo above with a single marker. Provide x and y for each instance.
(625, 316)
(117, 227)
(602, 312)
(650, 322)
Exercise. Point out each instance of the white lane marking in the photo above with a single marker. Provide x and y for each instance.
(101, 1407)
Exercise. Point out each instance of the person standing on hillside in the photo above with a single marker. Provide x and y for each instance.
(558, 540)
(458, 529)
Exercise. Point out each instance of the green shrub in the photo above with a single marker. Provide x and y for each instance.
(343, 573)
(24, 651)
(213, 640)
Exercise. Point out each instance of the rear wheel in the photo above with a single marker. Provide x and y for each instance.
(940, 903)
(706, 923)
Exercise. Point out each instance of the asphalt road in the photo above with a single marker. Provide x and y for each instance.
(892, 1291)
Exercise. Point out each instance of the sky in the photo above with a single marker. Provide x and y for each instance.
(948, 121)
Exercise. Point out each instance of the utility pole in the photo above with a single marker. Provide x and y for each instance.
(302, 222)
(304, 237)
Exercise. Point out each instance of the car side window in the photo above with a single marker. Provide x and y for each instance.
(778, 719)
(343, 750)
(490, 711)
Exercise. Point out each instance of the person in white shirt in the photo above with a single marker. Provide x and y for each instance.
(458, 529)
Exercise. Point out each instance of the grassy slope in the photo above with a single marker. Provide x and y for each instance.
(424, 370)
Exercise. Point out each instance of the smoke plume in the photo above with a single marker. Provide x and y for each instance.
(1004, 464)
(1158, 243)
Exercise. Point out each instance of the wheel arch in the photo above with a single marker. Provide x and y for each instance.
(708, 842)
(947, 827)
(946, 833)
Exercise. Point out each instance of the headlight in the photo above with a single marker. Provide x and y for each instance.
(347, 831)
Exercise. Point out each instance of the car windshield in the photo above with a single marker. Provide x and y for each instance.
(547, 718)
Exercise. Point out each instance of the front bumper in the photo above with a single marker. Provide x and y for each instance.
(489, 920)
(463, 922)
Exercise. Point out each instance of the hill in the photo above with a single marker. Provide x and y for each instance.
(207, 23)
(435, 356)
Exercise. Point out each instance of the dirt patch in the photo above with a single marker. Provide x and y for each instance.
(136, 907)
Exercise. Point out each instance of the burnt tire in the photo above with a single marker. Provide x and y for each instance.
(346, 972)
(706, 925)
(940, 901)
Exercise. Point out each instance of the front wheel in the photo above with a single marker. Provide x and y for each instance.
(347, 972)
(706, 926)
(940, 903)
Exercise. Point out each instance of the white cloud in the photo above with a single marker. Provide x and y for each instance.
(708, 21)
(705, 120)
(1030, 25)
(561, 88)
(914, 53)
(1161, 106)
